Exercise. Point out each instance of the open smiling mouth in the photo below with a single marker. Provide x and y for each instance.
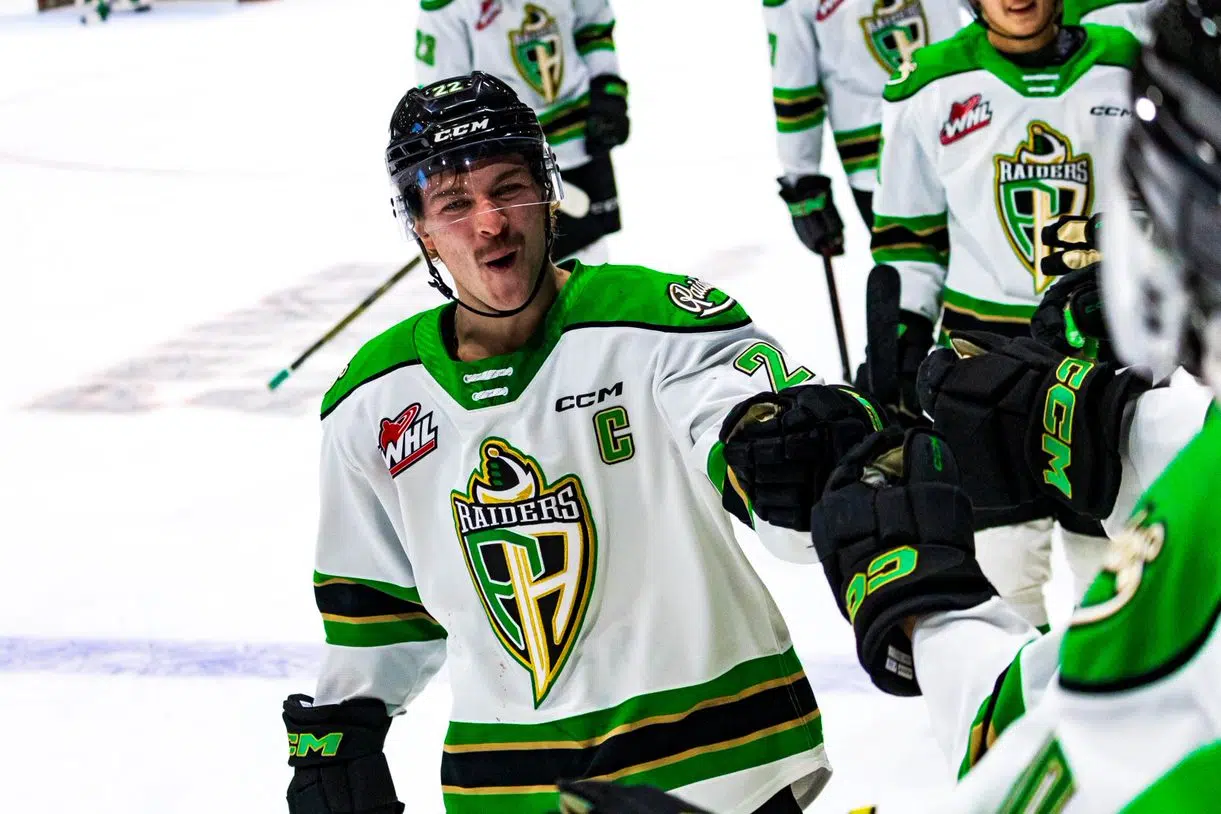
(504, 262)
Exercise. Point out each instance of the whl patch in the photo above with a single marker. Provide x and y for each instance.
(406, 438)
(965, 118)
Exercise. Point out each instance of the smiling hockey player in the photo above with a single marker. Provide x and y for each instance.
(559, 57)
(995, 133)
(534, 483)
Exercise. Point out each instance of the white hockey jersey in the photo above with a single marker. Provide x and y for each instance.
(546, 50)
(831, 59)
(978, 154)
(550, 521)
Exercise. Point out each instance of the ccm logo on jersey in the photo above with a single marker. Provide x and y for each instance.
(965, 118)
(588, 399)
(1109, 110)
(460, 130)
(406, 439)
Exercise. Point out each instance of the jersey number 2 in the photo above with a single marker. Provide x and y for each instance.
(769, 357)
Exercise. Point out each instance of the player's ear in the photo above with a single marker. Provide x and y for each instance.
(426, 240)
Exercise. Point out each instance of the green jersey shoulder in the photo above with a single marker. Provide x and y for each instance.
(969, 50)
(594, 296)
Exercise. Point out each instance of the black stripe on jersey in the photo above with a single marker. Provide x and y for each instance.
(799, 108)
(954, 321)
(569, 118)
(896, 235)
(857, 150)
(473, 768)
(355, 601)
(594, 34)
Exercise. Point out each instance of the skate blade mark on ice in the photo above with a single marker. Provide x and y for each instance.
(225, 362)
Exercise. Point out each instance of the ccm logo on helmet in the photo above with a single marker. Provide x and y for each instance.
(460, 130)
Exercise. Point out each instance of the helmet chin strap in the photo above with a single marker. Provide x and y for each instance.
(438, 283)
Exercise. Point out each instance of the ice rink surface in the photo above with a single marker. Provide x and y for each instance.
(189, 198)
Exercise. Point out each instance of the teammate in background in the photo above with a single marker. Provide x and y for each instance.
(559, 56)
(533, 483)
(101, 10)
(994, 134)
(1134, 15)
(830, 60)
(1122, 711)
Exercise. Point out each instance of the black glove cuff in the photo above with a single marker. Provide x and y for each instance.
(804, 187)
(334, 733)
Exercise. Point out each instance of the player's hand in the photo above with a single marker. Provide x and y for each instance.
(598, 797)
(336, 754)
(606, 122)
(893, 532)
(891, 367)
(1028, 423)
(781, 448)
(1070, 319)
(815, 217)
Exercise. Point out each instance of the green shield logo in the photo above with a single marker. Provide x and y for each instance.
(531, 548)
(538, 52)
(1042, 181)
(894, 32)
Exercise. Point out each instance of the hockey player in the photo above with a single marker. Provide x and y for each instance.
(830, 60)
(1122, 710)
(559, 56)
(533, 483)
(1029, 112)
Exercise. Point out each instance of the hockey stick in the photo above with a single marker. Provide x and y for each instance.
(833, 294)
(280, 377)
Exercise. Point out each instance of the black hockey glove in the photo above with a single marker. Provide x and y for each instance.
(814, 214)
(1070, 317)
(337, 759)
(606, 123)
(898, 341)
(599, 797)
(894, 534)
(1028, 423)
(781, 448)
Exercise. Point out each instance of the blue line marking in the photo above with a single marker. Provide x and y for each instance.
(169, 658)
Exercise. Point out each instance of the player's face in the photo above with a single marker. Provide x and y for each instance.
(487, 225)
(1018, 18)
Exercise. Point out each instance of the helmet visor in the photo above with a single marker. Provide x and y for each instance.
(453, 188)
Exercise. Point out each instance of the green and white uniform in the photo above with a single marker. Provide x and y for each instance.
(546, 50)
(831, 59)
(1101, 714)
(550, 522)
(978, 155)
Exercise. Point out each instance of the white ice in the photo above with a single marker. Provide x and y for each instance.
(187, 199)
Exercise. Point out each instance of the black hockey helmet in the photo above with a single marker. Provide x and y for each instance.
(448, 125)
(1165, 245)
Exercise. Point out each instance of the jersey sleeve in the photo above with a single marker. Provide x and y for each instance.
(594, 33)
(972, 701)
(1160, 423)
(798, 96)
(702, 376)
(381, 641)
(910, 224)
(442, 43)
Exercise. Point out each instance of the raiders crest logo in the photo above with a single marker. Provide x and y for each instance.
(530, 547)
(894, 32)
(699, 298)
(538, 52)
(1043, 180)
